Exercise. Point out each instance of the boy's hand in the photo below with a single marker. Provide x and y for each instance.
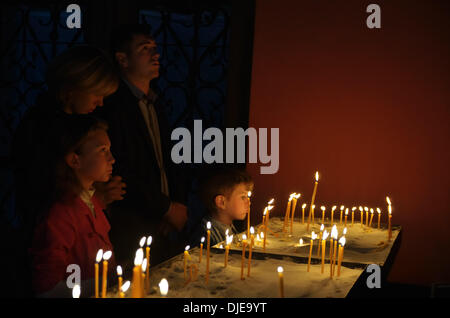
(111, 191)
(176, 218)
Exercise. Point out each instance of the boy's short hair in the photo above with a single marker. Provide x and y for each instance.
(222, 182)
(123, 35)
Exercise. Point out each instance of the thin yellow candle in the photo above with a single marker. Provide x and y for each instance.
(313, 237)
(136, 284)
(143, 271)
(323, 213)
(367, 215)
(106, 257)
(147, 256)
(353, 214)
(332, 213)
(269, 207)
(324, 240)
(249, 194)
(97, 260)
(303, 213)
(390, 226)
(201, 249)
(320, 235)
(163, 287)
(280, 278)
(229, 239)
(362, 215)
(371, 217)
(379, 216)
(119, 277)
(341, 254)
(244, 244)
(252, 241)
(123, 289)
(186, 256)
(334, 235)
(296, 196)
(208, 234)
(346, 214)
(288, 209)
(313, 196)
(313, 207)
(340, 219)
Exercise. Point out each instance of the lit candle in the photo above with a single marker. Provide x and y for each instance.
(296, 196)
(334, 235)
(340, 219)
(249, 194)
(324, 240)
(142, 241)
(332, 213)
(280, 276)
(264, 233)
(379, 215)
(362, 215)
(313, 221)
(201, 249)
(367, 215)
(76, 291)
(147, 256)
(252, 241)
(106, 257)
(371, 217)
(346, 213)
(208, 234)
(185, 259)
(323, 213)
(124, 289)
(143, 271)
(229, 239)
(313, 196)
(313, 237)
(320, 235)
(97, 260)
(341, 254)
(163, 287)
(390, 226)
(353, 214)
(119, 275)
(303, 213)
(288, 209)
(269, 207)
(244, 243)
(136, 285)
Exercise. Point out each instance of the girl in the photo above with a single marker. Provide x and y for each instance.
(75, 227)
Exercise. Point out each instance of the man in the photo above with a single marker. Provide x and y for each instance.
(139, 132)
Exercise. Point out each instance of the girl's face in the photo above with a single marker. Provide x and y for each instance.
(95, 158)
(81, 102)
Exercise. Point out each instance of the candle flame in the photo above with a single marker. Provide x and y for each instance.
(388, 200)
(325, 235)
(270, 207)
(252, 230)
(342, 207)
(371, 210)
(390, 209)
(334, 232)
(125, 286)
(202, 239)
(107, 255)
(262, 235)
(361, 208)
(271, 201)
(265, 211)
(149, 240)
(163, 287)
(346, 211)
(208, 225)
(249, 194)
(300, 242)
(226, 232)
(280, 269)
(257, 237)
(142, 241)
(322, 227)
(333, 208)
(304, 205)
(313, 235)
(244, 237)
(298, 195)
(344, 231)
(366, 209)
(322, 208)
(317, 176)
(313, 206)
(354, 208)
(229, 239)
(187, 248)
(119, 270)
(342, 241)
(99, 255)
(76, 291)
(139, 256)
(378, 210)
(144, 265)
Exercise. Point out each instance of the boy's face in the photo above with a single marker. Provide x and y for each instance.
(237, 205)
(96, 160)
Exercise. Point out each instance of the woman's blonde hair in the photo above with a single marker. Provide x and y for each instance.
(84, 68)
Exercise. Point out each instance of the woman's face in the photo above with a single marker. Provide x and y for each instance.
(81, 102)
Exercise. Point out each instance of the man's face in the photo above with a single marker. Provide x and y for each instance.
(142, 58)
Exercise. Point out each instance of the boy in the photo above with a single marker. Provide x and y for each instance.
(225, 195)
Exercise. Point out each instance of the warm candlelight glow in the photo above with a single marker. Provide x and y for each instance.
(119, 270)
(344, 231)
(107, 255)
(208, 225)
(252, 230)
(99, 255)
(300, 242)
(142, 241)
(202, 240)
(163, 287)
(334, 232)
(270, 202)
(388, 200)
(322, 208)
(317, 176)
(342, 241)
(322, 227)
(125, 286)
(144, 265)
(138, 257)
(149, 240)
(249, 194)
(280, 269)
(325, 235)
(76, 291)
(304, 205)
